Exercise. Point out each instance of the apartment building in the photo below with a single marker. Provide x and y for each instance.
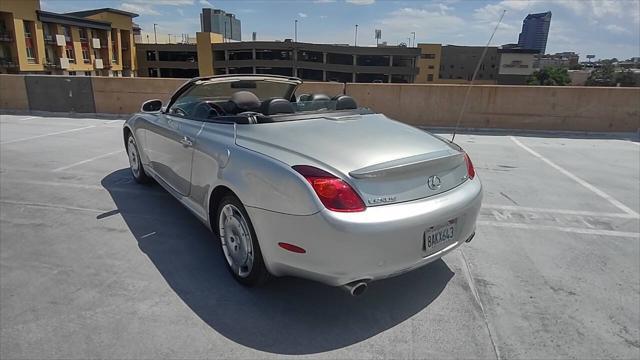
(93, 42)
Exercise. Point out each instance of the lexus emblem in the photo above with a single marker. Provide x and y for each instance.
(434, 182)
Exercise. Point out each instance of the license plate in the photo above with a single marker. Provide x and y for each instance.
(438, 237)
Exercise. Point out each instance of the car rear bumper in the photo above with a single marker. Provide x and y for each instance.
(380, 242)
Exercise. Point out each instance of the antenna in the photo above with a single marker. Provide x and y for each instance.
(475, 73)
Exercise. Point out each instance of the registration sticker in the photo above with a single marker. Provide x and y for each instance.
(438, 237)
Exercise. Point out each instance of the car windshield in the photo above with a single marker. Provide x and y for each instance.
(222, 90)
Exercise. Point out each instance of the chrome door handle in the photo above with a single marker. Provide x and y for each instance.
(185, 141)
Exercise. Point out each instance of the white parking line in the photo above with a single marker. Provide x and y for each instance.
(52, 206)
(45, 135)
(28, 118)
(560, 228)
(594, 189)
(559, 211)
(87, 160)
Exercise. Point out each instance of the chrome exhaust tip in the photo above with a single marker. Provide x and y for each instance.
(470, 238)
(355, 288)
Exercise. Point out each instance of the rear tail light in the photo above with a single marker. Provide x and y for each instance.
(470, 170)
(334, 193)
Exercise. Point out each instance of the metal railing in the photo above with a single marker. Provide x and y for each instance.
(6, 35)
(8, 62)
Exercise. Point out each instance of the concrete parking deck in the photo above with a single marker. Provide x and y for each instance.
(93, 265)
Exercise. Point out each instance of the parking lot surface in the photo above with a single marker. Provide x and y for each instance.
(93, 265)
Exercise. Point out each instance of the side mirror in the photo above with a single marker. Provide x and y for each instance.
(154, 105)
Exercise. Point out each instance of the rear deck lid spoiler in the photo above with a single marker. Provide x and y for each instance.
(448, 158)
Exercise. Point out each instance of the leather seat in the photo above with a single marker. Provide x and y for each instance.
(345, 102)
(319, 101)
(243, 101)
(277, 106)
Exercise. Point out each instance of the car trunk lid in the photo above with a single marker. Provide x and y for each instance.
(385, 161)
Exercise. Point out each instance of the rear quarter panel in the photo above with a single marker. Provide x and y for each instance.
(257, 180)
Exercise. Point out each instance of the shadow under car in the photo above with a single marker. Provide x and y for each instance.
(284, 316)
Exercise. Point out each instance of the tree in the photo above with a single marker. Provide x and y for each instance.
(550, 76)
(625, 78)
(602, 76)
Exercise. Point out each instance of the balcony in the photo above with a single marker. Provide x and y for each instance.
(49, 63)
(8, 62)
(6, 36)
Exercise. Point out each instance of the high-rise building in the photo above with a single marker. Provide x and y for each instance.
(221, 22)
(535, 30)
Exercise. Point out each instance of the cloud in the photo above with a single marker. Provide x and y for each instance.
(163, 2)
(302, 15)
(615, 29)
(360, 2)
(323, 1)
(437, 23)
(140, 8)
(206, 3)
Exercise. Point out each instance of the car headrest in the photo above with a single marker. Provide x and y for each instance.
(320, 97)
(304, 97)
(344, 102)
(277, 106)
(245, 101)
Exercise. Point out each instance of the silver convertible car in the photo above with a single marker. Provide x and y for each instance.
(304, 184)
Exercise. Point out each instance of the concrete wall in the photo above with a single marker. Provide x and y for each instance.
(125, 95)
(506, 107)
(489, 106)
(329, 88)
(13, 93)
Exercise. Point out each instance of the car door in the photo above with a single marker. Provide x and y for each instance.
(171, 138)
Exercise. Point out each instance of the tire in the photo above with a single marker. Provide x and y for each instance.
(239, 243)
(137, 169)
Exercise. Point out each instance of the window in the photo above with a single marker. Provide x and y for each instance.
(83, 35)
(67, 33)
(28, 40)
(427, 56)
(85, 55)
(430, 77)
(69, 53)
(72, 73)
(27, 29)
(430, 66)
(114, 46)
(87, 73)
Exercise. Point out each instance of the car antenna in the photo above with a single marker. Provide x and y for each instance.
(475, 73)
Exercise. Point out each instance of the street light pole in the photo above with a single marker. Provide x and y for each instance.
(355, 42)
(414, 38)
(169, 42)
(295, 31)
(155, 34)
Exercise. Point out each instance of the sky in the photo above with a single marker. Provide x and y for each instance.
(604, 28)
